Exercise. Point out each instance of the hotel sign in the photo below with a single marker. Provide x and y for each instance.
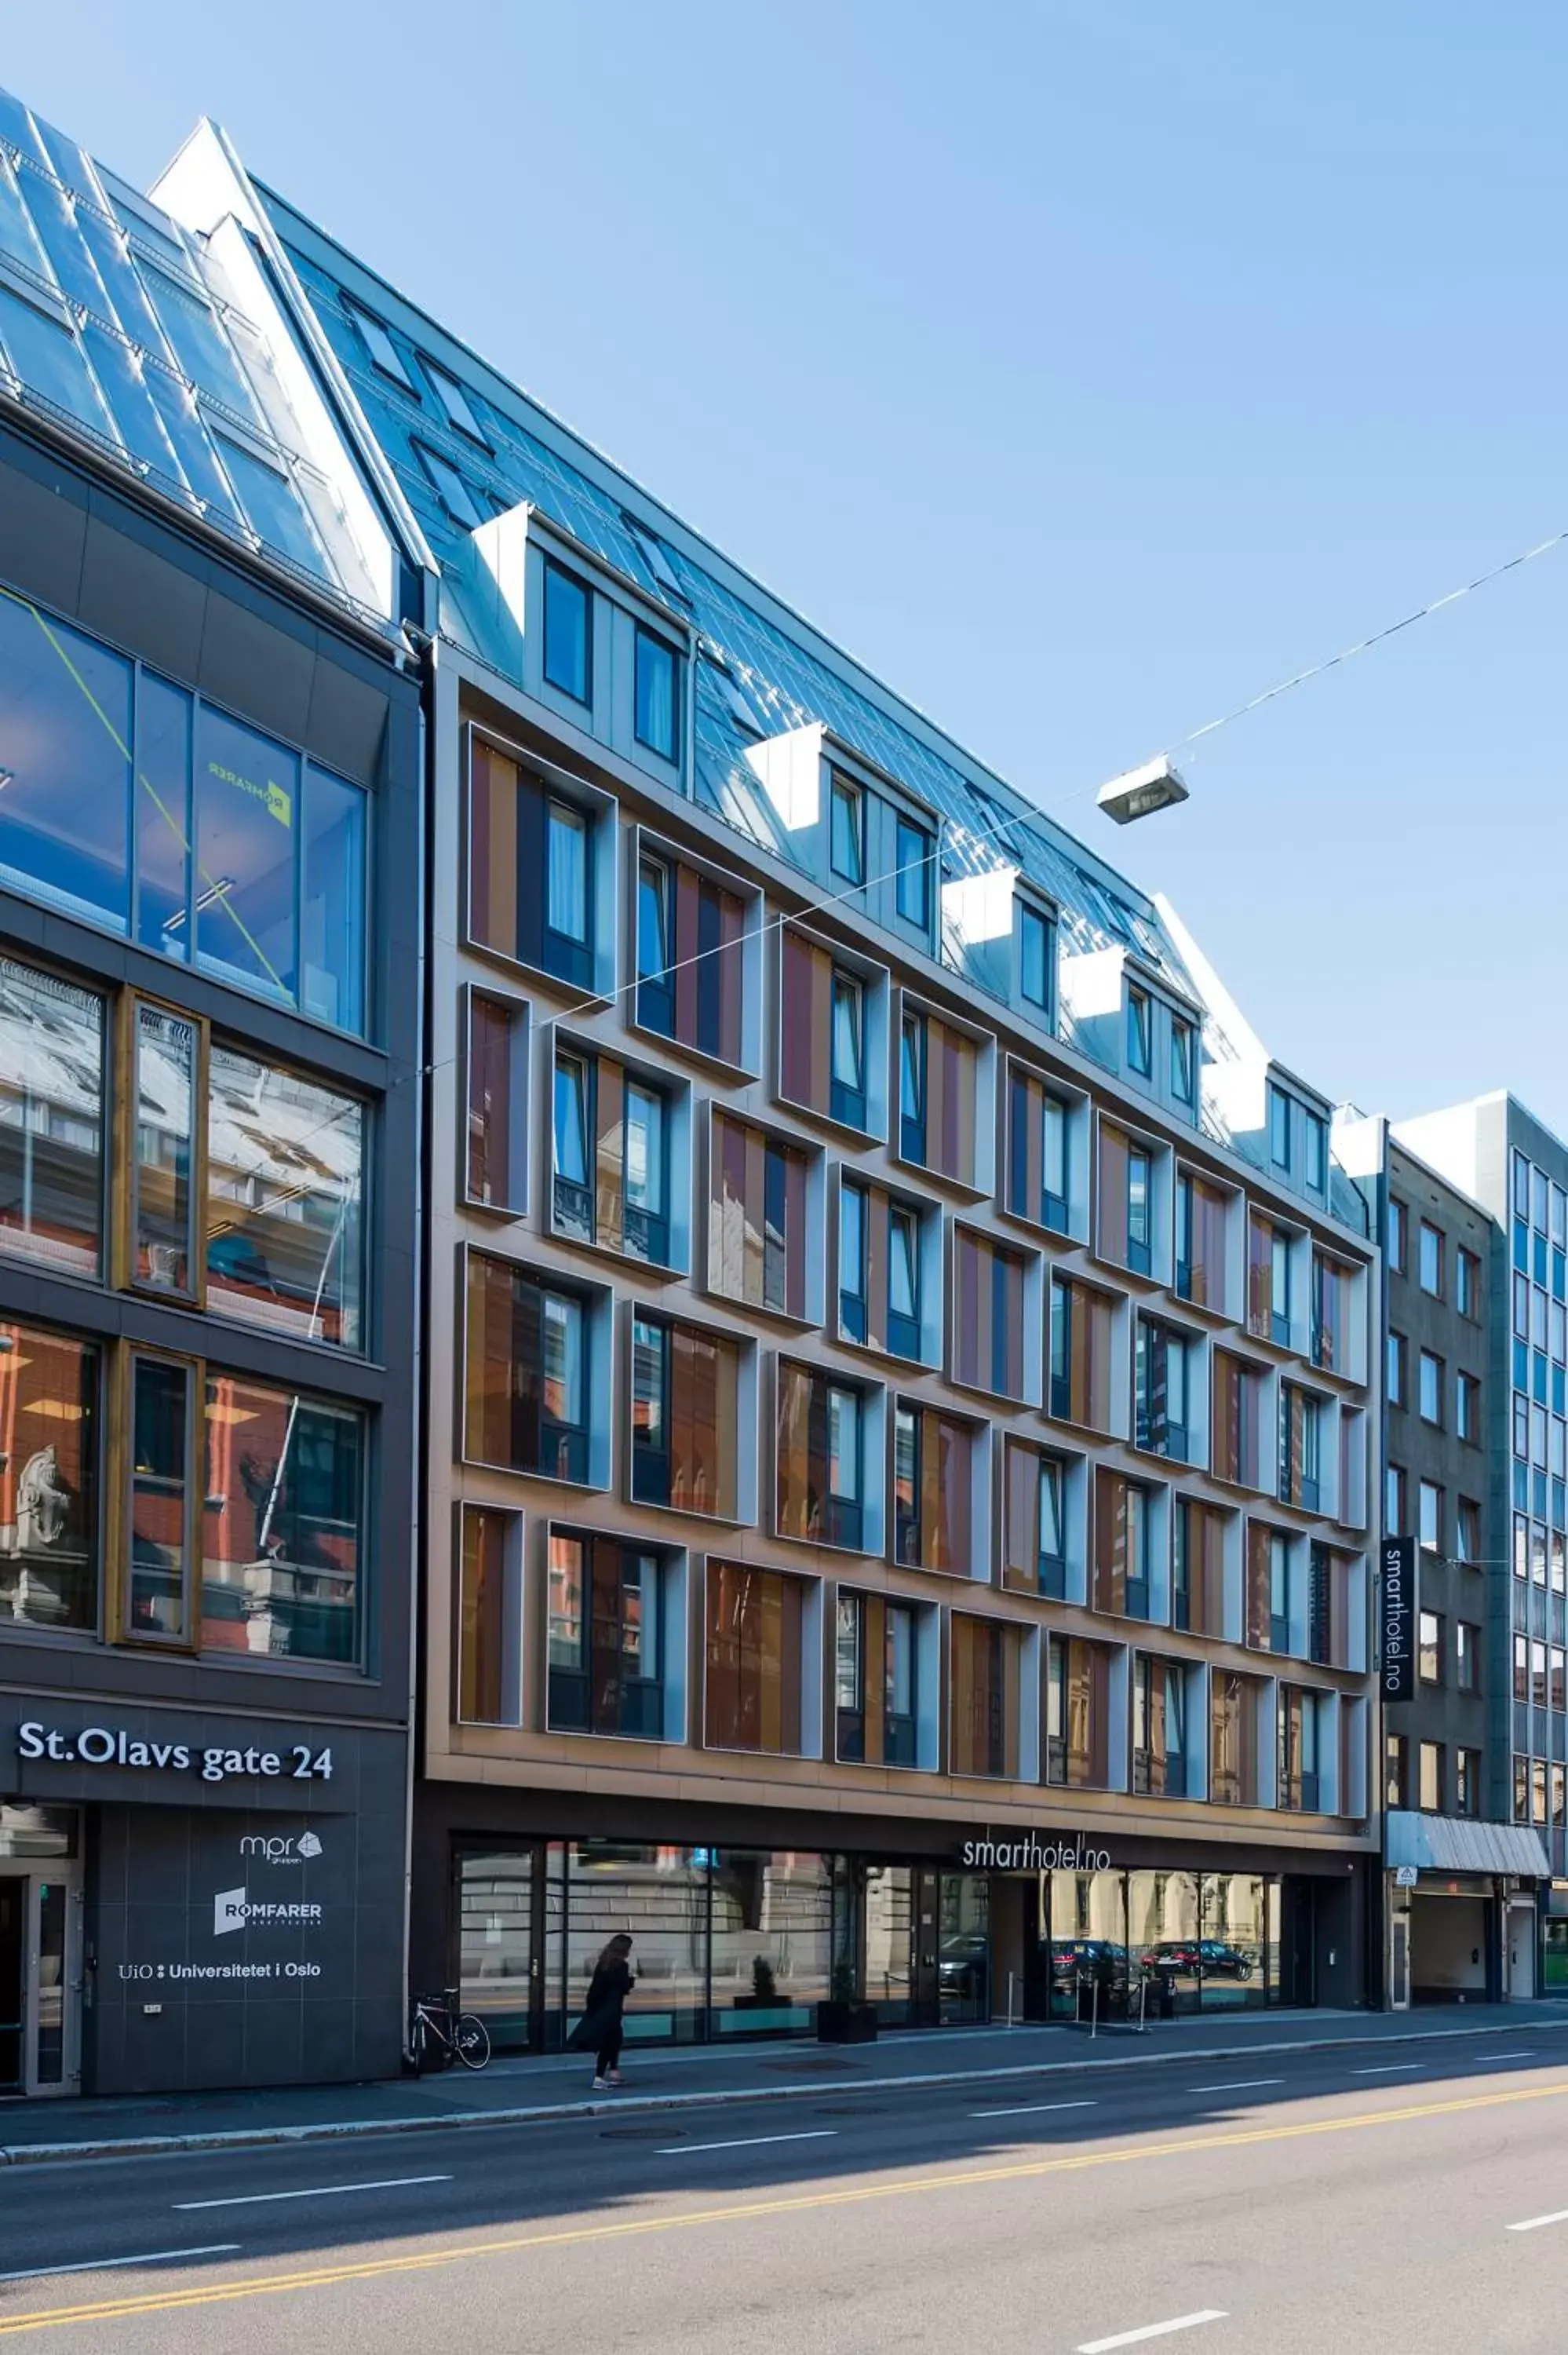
(1396, 1618)
(1027, 1852)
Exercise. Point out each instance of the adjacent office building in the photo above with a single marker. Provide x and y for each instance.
(899, 1408)
(1517, 1171)
(1464, 1871)
(209, 789)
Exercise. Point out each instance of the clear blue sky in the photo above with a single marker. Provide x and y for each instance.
(1081, 367)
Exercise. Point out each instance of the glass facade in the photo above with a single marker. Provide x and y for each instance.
(737, 1942)
(229, 838)
(51, 1119)
(50, 1555)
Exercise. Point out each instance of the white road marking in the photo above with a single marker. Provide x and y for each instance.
(1504, 2056)
(1388, 2069)
(1534, 2224)
(1032, 2109)
(1235, 2085)
(112, 2264)
(314, 2192)
(1152, 2331)
(746, 2142)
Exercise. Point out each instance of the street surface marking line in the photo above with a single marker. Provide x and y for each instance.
(745, 2142)
(313, 2191)
(745, 2211)
(1389, 2069)
(1152, 2331)
(109, 2265)
(1502, 2056)
(1235, 2085)
(1032, 2109)
(1534, 2224)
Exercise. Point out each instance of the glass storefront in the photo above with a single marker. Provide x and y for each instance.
(1193, 1941)
(731, 1943)
(888, 1914)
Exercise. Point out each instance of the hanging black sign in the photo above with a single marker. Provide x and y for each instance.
(1396, 1618)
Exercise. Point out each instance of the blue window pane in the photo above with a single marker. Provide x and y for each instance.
(187, 437)
(567, 663)
(1140, 1033)
(657, 717)
(50, 362)
(65, 765)
(163, 818)
(912, 861)
(451, 489)
(71, 262)
(248, 824)
(271, 506)
(567, 883)
(331, 906)
(201, 351)
(1034, 958)
(383, 351)
(120, 381)
(18, 238)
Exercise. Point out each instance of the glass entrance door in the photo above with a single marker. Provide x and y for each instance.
(13, 1984)
(38, 1984)
(497, 1918)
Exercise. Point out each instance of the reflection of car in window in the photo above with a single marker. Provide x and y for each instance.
(964, 1962)
(1211, 1955)
(1097, 1958)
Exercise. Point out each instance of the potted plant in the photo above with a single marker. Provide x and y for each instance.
(843, 2018)
(763, 1996)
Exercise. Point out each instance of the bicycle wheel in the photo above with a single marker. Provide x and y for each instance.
(471, 2040)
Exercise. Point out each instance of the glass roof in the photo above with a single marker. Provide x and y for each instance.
(757, 678)
(754, 678)
(117, 326)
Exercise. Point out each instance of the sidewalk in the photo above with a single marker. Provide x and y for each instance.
(555, 2087)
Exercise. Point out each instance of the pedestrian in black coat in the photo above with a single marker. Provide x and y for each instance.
(601, 2030)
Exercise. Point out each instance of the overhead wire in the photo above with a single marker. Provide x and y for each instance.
(598, 999)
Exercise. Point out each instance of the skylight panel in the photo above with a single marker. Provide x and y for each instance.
(382, 350)
(455, 404)
(451, 489)
(651, 550)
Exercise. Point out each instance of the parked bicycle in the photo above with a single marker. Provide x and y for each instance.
(439, 2033)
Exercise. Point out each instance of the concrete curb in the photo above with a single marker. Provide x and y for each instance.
(622, 2104)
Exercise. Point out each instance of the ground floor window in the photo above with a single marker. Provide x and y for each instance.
(735, 1942)
(1193, 1941)
(1556, 1966)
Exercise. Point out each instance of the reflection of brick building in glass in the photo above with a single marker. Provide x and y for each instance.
(280, 1523)
(48, 1478)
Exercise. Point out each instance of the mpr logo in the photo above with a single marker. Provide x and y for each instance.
(227, 1911)
(308, 1844)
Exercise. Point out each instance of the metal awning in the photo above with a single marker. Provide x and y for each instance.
(1458, 1844)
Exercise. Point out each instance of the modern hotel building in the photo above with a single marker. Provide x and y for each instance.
(896, 1349)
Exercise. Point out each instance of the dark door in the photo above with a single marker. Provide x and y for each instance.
(498, 1941)
(13, 1982)
(1300, 1943)
(924, 1941)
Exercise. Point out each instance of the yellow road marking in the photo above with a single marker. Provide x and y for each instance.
(746, 2212)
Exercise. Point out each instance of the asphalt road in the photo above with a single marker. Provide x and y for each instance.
(1301, 2202)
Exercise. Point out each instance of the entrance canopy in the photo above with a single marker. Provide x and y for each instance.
(1459, 1844)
